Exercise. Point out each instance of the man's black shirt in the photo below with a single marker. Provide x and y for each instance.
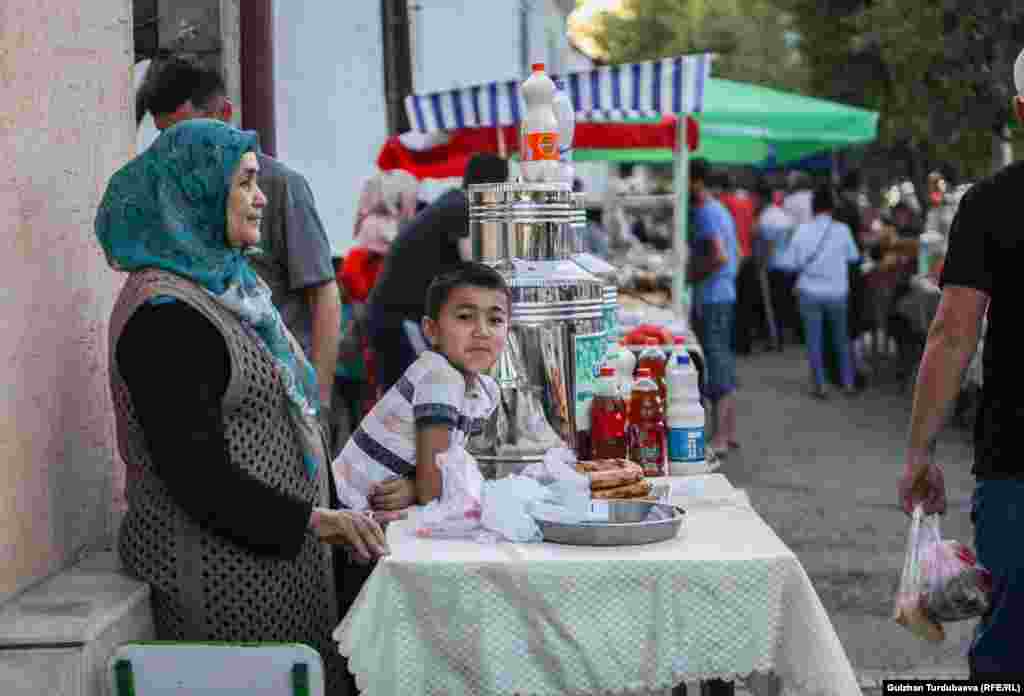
(426, 246)
(986, 253)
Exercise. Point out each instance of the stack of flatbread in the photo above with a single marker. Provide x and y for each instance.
(615, 478)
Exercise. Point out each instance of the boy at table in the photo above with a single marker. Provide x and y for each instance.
(440, 401)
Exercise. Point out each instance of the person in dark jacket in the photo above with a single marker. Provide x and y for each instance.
(434, 242)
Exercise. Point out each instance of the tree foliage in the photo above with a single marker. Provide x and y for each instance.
(940, 72)
(749, 37)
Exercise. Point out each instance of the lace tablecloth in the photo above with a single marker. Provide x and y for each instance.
(725, 599)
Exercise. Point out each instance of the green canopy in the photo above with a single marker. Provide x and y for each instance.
(749, 124)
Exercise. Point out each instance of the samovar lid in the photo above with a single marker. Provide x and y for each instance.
(523, 273)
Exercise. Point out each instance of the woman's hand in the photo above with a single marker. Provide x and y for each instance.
(354, 529)
(394, 494)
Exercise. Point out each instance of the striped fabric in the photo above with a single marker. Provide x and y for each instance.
(431, 392)
(609, 93)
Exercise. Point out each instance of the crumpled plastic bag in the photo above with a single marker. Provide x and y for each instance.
(457, 513)
(505, 509)
(506, 505)
(941, 581)
(569, 490)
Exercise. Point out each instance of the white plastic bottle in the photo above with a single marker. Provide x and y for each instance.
(622, 359)
(685, 417)
(538, 147)
(565, 114)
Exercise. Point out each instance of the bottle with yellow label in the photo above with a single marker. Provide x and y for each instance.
(538, 149)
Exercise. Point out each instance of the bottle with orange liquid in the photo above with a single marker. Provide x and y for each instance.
(648, 445)
(608, 419)
(654, 359)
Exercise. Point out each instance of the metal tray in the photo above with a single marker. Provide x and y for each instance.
(630, 523)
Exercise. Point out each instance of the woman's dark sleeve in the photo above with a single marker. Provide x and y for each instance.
(176, 366)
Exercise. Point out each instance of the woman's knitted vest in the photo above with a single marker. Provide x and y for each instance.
(206, 587)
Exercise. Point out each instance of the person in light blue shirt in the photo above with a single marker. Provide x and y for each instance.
(712, 270)
(820, 253)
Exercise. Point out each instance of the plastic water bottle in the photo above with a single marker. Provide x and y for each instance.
(685, 416)
(538, 147)
(566, 116)
(623, 361)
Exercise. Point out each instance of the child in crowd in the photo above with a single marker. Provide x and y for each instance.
(389, 463)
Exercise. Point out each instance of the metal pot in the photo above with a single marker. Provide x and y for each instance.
(548, 370)
(521, 221)
(606, 272)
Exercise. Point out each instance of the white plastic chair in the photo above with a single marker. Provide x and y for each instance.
(215, 669)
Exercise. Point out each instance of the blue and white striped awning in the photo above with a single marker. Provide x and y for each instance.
(609, 93)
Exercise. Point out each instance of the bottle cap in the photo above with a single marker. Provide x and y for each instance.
(537, 67)
(643, 372)
(679, 340)
(607, 371)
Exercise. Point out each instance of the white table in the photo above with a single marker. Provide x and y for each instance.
(726, 599)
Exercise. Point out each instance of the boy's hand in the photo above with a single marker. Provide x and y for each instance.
(394, 494)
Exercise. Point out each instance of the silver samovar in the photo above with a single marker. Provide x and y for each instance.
(557, 337)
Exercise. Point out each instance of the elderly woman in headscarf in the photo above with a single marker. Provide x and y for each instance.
(216, 408)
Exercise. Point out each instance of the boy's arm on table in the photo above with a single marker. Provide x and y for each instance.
(431, 440)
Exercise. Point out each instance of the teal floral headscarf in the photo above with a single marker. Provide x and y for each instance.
(167, 209)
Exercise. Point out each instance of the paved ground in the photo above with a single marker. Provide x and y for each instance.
(823, 475)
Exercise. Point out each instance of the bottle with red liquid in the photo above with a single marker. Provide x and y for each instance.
(648, 440)
(608, 419)
(654, 359)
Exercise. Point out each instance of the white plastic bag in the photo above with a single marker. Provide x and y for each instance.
(568, 498)
(456, 514)
(941, 581)
(506, 505)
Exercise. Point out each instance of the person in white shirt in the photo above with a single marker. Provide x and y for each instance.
(820, 253)
(798, 204)
(773, 230)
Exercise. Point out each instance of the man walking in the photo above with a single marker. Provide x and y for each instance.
(296, 259)
(712, 270)
(981, 275)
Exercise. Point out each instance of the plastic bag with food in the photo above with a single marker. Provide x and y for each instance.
(456, 514)
(941, 581)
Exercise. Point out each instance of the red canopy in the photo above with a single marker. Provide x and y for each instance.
(449, 160)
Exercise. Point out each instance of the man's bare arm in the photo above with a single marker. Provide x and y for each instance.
(952, 341)
(325, 307)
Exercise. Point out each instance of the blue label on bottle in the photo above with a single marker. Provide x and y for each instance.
(686, 444)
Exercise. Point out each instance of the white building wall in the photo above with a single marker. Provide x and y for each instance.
(464, 42)
(456, 43)
(330, 108)
(329, 79)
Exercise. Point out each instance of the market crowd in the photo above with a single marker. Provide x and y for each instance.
(241, 342)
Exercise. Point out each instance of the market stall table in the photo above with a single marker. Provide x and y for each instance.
(724, 600)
